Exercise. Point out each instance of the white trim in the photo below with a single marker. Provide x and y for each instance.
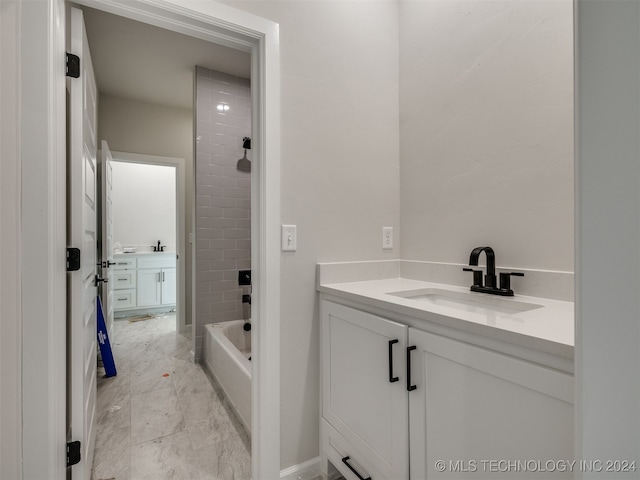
(10, 240)
(44, 229)
(607, 232)
(308, 469)
(181, 232)
(43, 153)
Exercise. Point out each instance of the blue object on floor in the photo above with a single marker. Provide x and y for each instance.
(105, 346)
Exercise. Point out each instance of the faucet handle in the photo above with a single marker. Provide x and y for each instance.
(477, 276)
(505, 279)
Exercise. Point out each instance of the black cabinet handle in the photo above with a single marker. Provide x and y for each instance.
(345, 460)
(410, 387)
(391, 377)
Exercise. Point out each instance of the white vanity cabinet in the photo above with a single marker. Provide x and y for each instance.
(156, 281)
(124, 282)
(364, 399)
(467, 406)
(143, 281)
(475, 410)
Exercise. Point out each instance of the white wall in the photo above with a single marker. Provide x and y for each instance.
(486, 131)
(144, 205)
(339, 71)
(608, 226)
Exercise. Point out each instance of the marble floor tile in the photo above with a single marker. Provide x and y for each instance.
(112, 455)
(112, 416)
(151, 375)
(153, 426)
(168, 458)
(112, 390)
(155, 414)
(230, 461)
(189, 378)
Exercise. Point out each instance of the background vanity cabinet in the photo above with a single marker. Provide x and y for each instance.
(143, 281)
(124, 282)
(462, 405)
(156, 281)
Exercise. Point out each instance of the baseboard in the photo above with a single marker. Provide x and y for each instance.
(303, 471)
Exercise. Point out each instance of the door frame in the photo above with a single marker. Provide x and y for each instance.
(43, 114)
(181, 233)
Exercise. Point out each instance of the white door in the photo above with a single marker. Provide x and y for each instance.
(472, 406)
(106, 203)
(82, 234)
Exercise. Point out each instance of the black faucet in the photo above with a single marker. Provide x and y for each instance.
(158, 248)
(490, 284)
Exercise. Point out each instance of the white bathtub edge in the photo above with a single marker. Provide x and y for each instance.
(234, 378)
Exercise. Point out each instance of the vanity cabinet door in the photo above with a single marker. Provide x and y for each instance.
(168, 286)
(362, 356)
(149, 287)
(472, 406)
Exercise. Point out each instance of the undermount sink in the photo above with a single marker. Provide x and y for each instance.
(466, 301)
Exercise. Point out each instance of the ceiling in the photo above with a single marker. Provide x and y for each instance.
(137, 61)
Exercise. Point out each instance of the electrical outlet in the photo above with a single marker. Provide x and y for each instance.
(387, 238)
(289, 238)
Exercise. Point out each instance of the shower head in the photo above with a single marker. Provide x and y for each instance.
(244, 164)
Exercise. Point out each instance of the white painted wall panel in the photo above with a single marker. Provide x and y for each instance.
(486, 131)
(144, 205)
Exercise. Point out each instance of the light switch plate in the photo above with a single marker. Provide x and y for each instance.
(289, 238)
(387, 238)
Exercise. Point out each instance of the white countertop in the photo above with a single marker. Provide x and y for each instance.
(549, 328)
(131, 254)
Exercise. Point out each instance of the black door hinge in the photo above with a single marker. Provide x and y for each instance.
(73, 259)
(73, 65)
(73, 453)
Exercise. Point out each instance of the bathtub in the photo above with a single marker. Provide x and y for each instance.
(227, 351)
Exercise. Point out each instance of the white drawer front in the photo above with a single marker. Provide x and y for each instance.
(157, 261)
(125, 263)
(337, 449)
(123, 299)
(123, 279)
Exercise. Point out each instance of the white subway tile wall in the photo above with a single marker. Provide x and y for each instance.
(223, 198)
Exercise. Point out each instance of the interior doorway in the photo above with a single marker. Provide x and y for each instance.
(148, 217)
(43, 433)
(139, 115)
